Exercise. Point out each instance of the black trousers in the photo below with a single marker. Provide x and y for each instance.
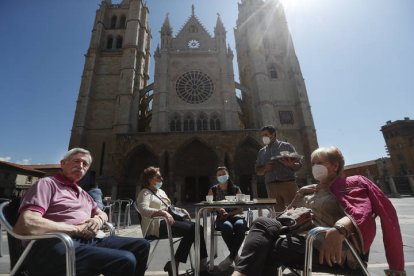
(264, 250)
(185, 229)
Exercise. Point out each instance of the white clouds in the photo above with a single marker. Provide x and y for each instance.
(5, 158)
(24, 161)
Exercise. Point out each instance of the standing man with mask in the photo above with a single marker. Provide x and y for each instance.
(278, 162)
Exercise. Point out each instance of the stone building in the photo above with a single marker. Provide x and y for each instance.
(194, 116)
(399, 138)
(15, 179)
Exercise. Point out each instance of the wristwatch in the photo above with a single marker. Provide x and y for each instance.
(341, 229)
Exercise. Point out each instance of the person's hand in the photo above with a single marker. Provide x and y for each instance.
(331, 249)
(235, 212)
(170, 219)
(391, 272)
(94, 224)
(268, 166)
(84, 231)
(289, 162)
(186, 212)
(222, 214)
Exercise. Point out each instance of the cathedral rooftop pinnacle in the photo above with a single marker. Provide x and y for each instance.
(166, 26)
(219, 29)
(193, 20)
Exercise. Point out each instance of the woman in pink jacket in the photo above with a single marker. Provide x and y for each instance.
(348, 205)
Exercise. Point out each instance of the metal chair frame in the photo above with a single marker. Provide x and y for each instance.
(64, 238)
(67, 241)
(310, 238)
(117, 206)
(157, 240)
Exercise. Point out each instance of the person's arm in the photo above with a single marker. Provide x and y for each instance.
(262, 170)
(33, 223)
(298, 199)
(292, 163)
(391, 233)
(97, 221)
(236, 211)
(262, 167)
(331, 248)
(143, 204)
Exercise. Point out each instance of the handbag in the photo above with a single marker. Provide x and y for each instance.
(177, 213)
(296, 219)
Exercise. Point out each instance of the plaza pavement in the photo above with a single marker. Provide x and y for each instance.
(377, 260)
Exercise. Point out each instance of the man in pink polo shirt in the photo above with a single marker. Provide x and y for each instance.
(58, 204)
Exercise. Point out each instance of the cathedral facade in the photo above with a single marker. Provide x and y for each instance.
(194, 116)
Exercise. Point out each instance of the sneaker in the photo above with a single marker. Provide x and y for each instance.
(225, 264)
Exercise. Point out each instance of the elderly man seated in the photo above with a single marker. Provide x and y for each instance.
(58, 204)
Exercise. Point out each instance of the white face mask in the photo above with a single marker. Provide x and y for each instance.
(223, 178)
(266, 140)
(320, 172)
(158, 185)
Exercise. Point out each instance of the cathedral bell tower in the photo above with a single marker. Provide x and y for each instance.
(116, 69)
(275, 92)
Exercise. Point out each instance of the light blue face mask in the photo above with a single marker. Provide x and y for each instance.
(158, 185)
(223, 178)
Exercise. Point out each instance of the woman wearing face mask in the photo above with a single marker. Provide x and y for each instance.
(151, 202)
(348, 205)
(229, 222)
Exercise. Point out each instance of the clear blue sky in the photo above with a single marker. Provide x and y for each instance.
(357, 58)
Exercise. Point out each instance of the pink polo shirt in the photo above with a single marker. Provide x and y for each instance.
(60, 200)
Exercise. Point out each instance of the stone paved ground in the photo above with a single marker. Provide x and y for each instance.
(377, 261)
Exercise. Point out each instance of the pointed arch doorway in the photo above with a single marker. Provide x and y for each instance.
(138, 159)
(194, 166)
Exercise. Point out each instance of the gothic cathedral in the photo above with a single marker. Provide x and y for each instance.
(194, 116)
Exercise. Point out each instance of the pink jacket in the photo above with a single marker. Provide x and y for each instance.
(363, 201)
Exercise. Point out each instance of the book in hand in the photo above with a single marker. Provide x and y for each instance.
(287, 155)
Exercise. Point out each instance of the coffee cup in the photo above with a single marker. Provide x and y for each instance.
(240, 197)
(230, 198)
(209, 198)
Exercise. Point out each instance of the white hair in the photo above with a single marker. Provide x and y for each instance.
(74, 151)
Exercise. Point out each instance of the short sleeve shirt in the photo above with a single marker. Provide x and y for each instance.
(279, 172)
(60, 200)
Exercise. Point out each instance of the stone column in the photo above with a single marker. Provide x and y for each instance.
(411, 183)
(393, 188)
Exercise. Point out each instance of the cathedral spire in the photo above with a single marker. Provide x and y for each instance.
(166, 26)
(192, 10)
(166, 33)
(219, 28)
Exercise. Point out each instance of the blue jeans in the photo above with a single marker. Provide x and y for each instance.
(232, 231)
(112, 255)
